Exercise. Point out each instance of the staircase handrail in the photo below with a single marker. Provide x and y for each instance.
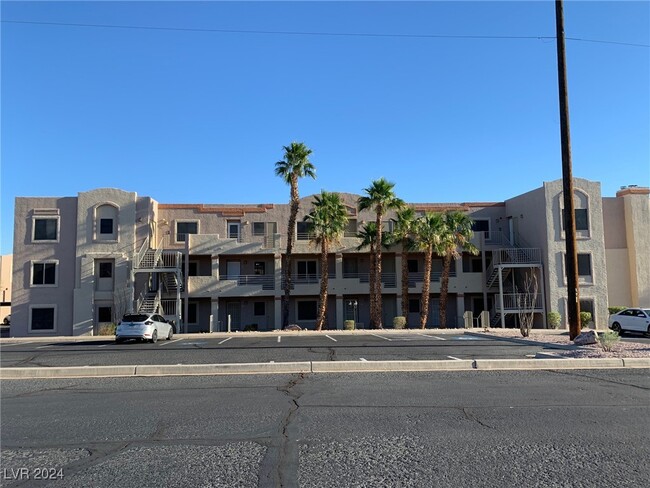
(156, 302)
(139, 301)
(140, 254)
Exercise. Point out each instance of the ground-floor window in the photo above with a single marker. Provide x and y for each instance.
(192, 313)
(414, 305)
(259, 308)
(307, 310)
(42, 318)
(104, 314)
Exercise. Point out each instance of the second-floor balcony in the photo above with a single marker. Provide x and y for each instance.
(267, 282)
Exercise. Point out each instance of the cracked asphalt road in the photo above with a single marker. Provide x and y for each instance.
(501, 429)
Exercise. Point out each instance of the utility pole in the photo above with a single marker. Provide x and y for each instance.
(573, 297)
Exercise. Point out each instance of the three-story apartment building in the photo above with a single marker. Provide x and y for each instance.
(80, 262)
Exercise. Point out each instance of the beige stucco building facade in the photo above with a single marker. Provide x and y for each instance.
(83, 261)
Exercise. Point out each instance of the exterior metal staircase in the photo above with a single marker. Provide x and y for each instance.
(171, 283)
(149, 302)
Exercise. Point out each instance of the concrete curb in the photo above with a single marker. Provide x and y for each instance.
(321, 367)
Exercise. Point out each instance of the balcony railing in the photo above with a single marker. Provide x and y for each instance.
(415, 278)
(530, 255)
(520, 301)
(267, 282)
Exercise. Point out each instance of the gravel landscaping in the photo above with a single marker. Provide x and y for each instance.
(622, 349)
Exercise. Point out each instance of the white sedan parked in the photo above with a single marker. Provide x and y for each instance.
(144, 326)
(631, 319)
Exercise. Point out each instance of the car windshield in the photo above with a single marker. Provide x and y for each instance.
(647, 311)
(135, 317)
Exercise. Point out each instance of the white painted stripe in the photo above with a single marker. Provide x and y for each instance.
(225, 340)
(329, 337)
(43, 347)
(432, 337)
(452, 357)
(363, 359)
(16, 344)
(279, 338)
(169, 342)
(381, 337)
(103, 345)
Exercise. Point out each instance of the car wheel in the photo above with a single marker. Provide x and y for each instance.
(648, 331)
(171, 334)
(154, 336)
(118, 340)
(5, 322)
(616, 327)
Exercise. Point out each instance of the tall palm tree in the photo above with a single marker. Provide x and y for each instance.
(380, 197)
(403, 232)
(327, 222)
(428, 232)
(295, 165)
(457, 232)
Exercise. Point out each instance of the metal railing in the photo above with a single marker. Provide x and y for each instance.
(140, 254)
(267, 282)
(515, 255)
(415, 278)
(520, 301)
(168, 306)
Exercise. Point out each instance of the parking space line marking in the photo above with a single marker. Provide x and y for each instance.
(225, 340)
(103, 345)
(452, 357)
(169, 342)
(363, 359)
(432, 337)
(381, 337)
(43, 347)
(329, 337)
(16, 344)
(279, 338)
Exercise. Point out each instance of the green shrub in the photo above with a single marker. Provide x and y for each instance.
(607, 339)
(106, 329)
(585, 318)
(399, 322)
(613, 310)
(348, 325)
(553, 319)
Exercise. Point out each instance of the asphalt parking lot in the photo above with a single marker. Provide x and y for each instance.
(199, 349)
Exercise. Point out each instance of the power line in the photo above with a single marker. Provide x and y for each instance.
(330, 34)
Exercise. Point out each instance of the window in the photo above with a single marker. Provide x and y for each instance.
(414, 305)
(44, 274)
(258, 228)
(105, 269)
(184, 228)
(581, 218)
(46, 229)
(482, 226)
(259, 267)
(307, 310)
(104, 314)
(193, 313)
(302, 231)
(193, 268)
(42, 318)
(259, 308)
(351, 228)
(584, 264)
(413, 265)
(306, 270)
(387, 226)
(106, 226)
(233, 229)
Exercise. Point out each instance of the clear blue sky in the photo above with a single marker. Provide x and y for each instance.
(189, 116)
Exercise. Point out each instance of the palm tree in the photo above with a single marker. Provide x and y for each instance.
(403, 232)
(457, 232)
(380, 197)
(295, 165)
(428, 231)
(327, 222)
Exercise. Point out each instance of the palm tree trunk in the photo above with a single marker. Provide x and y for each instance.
(426, 286)
(324, 278)
(444, 288)
(286, 263)
(371, 285)
(377, 291)
(405, 285)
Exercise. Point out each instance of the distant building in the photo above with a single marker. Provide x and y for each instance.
(84, 261)
(5, 286)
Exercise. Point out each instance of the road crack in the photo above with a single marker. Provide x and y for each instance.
(473, 418)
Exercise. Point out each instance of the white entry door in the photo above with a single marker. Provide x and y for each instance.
(234, 270)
